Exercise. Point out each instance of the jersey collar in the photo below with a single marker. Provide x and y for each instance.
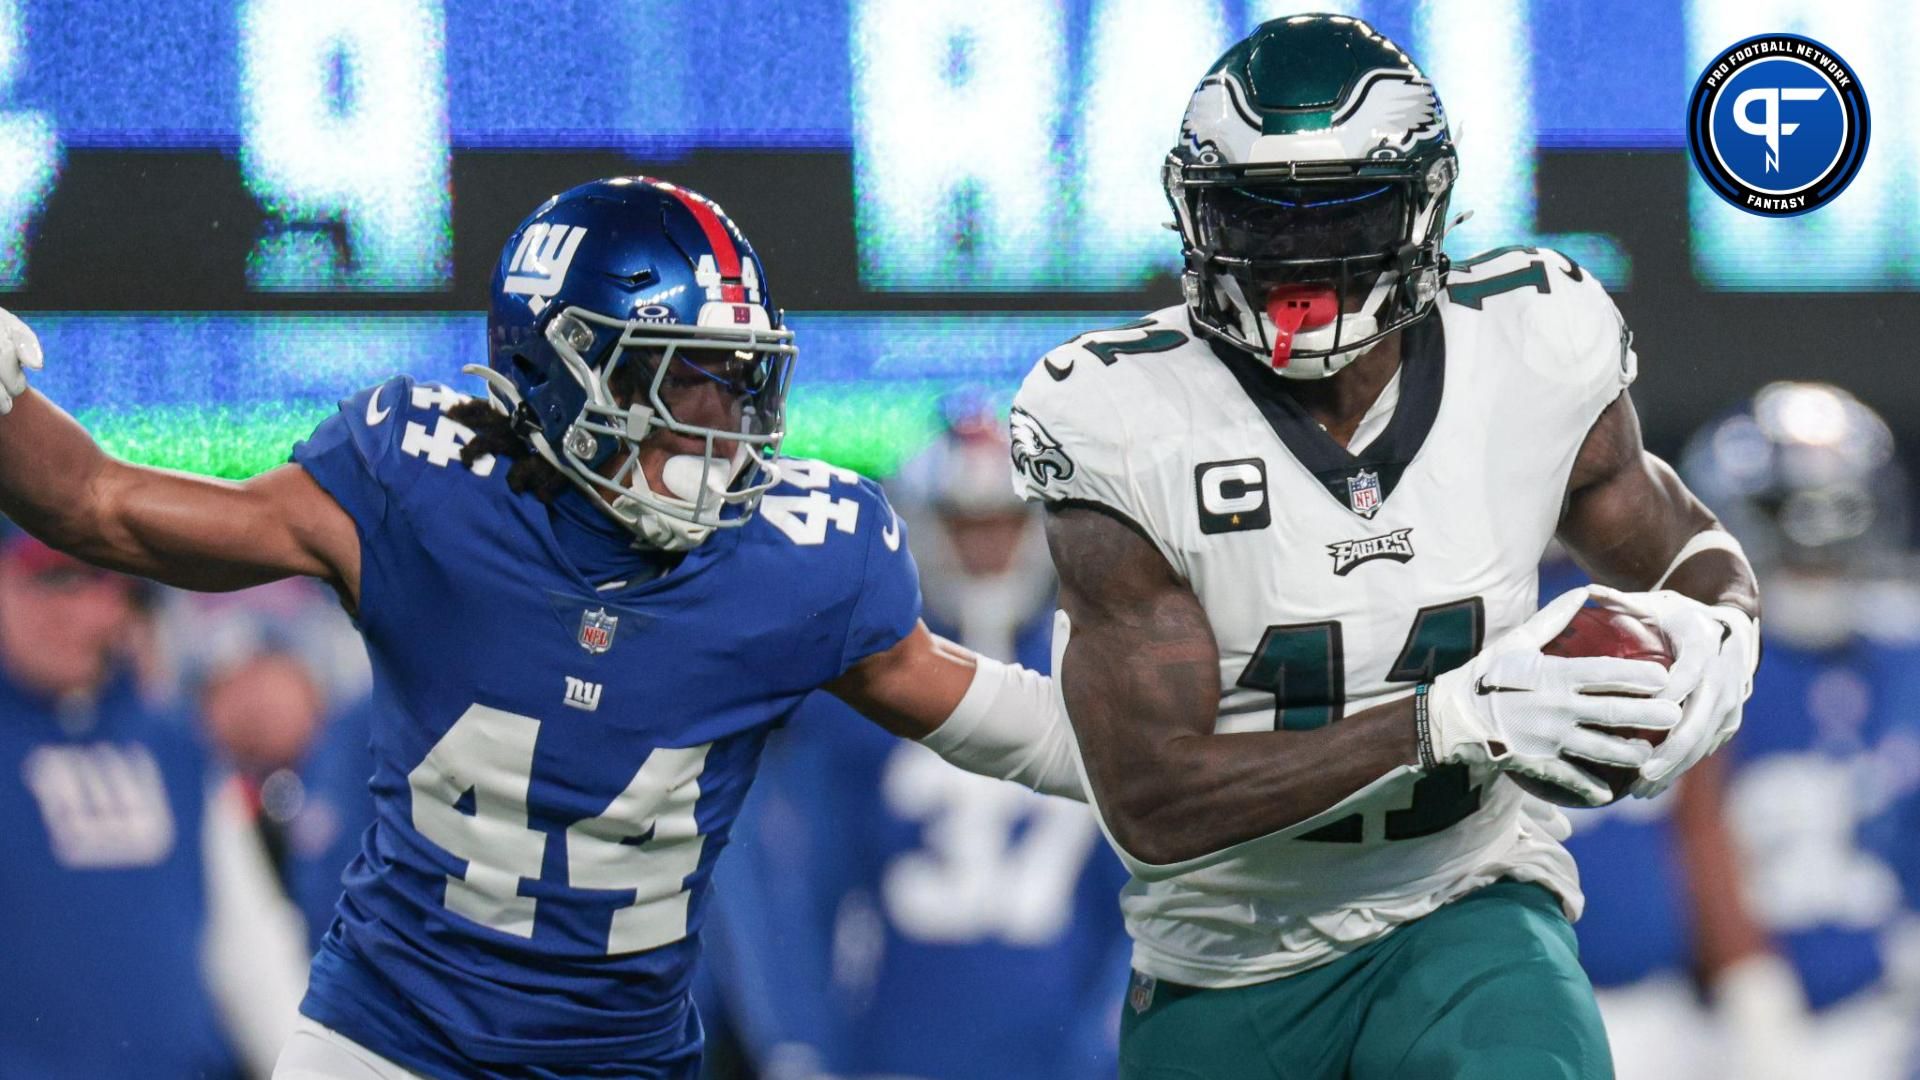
(1422, 376)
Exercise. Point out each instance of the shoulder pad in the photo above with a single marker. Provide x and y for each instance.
(1574, 332)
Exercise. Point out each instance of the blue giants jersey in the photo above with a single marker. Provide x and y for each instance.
(886, 914)
(103, 892)
(1823, 792)
(556, 767)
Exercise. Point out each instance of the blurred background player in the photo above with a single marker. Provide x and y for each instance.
(150, 939)
(886, 914)
(1778, 885)
(282, 681)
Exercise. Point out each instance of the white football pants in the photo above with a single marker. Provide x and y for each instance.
(317, 1052)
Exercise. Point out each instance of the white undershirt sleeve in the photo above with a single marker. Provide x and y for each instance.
(254, 953)
(1012, 725)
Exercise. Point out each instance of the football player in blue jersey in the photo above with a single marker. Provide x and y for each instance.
(1785, 878)
(587, 599)
(885, 915)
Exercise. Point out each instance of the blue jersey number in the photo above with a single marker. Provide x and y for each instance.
(489, 752)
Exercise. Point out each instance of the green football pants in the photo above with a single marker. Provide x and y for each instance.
(1488, 987)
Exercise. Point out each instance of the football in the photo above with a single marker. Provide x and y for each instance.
(1602, 632)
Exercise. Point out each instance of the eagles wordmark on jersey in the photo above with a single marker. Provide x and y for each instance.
(1338, 577)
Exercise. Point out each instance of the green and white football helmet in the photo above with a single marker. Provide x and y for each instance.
(1310, 186)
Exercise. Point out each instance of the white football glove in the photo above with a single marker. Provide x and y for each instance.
(1715, 651)
(1518, 709)
(19, 353)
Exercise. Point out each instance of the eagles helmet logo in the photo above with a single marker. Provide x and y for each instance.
(1036, 454)
(1382, 117)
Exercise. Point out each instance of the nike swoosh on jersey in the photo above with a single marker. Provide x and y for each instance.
(891, 534)
(1059, 373)
(376, 414)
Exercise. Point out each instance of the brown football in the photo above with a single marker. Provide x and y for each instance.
(1602, 632)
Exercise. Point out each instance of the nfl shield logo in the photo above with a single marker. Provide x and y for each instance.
(1140, 992)
(1363, 493)
(596, 630)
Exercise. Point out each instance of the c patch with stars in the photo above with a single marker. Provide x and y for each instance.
(1232, 495)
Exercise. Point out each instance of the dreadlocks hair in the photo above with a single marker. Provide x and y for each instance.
(493, 433)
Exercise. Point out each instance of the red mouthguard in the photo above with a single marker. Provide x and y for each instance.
(1293, 308)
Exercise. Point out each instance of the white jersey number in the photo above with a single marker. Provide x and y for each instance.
(806, 518)
(1303, 666)
(996, 863)
(489, 752)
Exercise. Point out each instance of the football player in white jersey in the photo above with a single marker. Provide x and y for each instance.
(1297, 521)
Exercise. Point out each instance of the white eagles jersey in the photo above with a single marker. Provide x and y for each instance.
(1337, 580)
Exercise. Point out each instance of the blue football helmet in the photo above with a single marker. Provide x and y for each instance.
(1807, 477)
(613, 304)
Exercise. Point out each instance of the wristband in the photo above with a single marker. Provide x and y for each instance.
(1423, 724)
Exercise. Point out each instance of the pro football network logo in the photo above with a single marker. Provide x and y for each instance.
(1778, 125)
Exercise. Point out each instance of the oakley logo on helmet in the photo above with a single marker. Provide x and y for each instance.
(1777, 125)
(1037, 454)
(540, 263)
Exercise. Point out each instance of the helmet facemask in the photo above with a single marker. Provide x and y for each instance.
(1307, 266)
(635, 373)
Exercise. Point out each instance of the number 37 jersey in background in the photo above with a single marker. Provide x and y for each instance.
(1336, 578)
(557, 766)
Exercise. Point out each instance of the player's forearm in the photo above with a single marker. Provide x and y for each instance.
(1717, 577)
(1245, 786)
(1169, 789)
(1725, 929)
(49, 472)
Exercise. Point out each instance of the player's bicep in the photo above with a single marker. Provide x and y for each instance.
(1141, 668)
(202, 533)
(1627, 512)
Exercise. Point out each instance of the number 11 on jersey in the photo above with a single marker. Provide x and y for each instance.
(1303, 665)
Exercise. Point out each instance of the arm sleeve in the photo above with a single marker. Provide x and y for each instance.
(254, 953)
(1012, 725)
(888, 605)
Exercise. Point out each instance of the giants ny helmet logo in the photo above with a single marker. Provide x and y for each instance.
(540, 263)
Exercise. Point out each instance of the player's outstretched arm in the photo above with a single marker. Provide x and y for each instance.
(184, 530)
(995, 719)
(1141, 677)
(1632, 524)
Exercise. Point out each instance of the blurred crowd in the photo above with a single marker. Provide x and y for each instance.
(192, 781)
